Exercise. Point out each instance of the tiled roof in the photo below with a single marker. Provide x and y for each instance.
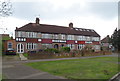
(106, 39)
(45, 28)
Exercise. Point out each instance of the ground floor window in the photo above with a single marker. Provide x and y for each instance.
(9, 45)
(31, 45)
(45, 46)
(81, 46)
(72, 46)
(97, 47)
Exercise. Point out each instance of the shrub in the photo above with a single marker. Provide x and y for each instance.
(25, 54)
(52, 50)
(65, 49)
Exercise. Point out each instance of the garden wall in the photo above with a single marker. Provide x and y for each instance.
(50, 55)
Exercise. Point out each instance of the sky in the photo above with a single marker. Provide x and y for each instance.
(100, 15)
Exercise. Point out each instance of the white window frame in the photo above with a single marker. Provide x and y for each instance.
(70, 37)
(49, 36)
(9, 44)
(80, 46)
(72, 46)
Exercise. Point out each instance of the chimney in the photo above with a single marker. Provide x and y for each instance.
(71, 25)
(37, 20)
(107, 35)
(16, 27)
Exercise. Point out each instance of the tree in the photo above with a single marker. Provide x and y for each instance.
(119, 40)
(5, 8)
(115, 39)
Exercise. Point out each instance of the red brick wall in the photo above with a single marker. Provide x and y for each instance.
(81, 42)
(49, 41)
(70, 42)
(31, 40)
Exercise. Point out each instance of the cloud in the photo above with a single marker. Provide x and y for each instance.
(50, 10)
(106, 10)
(92, 14)
(10, 23)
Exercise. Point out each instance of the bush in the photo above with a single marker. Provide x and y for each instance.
(25, 54)
(65, 49)
(52, 50)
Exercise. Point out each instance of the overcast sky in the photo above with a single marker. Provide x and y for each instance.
(100, 15)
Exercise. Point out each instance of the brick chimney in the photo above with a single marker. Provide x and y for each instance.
(71, 25)
(37, 20)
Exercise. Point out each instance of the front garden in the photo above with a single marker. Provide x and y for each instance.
(100, 68)
(64, 52)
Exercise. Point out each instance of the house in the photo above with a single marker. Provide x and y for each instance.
(7, 43)
(105, 43)
(35, 36)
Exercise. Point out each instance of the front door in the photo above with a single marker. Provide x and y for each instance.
(20, 48)
(56, 46)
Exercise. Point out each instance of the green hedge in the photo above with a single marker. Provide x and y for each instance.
(52, 50)
(65, 49)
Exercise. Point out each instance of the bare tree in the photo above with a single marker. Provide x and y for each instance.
(5, 8)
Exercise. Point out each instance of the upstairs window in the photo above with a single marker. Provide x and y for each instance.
(55, 36)
(31, 34)
(62, 36)
(19, 34)
(81, 38)
(95, 39)
(49, 36)
(70, 37)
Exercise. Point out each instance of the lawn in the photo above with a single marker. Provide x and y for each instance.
(0, 77)
(88, 68)
(25, 54)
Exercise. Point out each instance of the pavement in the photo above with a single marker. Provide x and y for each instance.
(15, 68)
(20, 71)
(22, 57)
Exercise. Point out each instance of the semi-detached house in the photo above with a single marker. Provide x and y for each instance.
(36, 36)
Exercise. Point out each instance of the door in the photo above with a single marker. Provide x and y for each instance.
(20, 48)
(56, 46)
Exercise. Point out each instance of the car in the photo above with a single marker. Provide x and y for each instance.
(10, 51)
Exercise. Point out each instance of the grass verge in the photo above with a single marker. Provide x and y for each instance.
(88, 68)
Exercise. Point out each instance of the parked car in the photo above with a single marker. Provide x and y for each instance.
(10, 51)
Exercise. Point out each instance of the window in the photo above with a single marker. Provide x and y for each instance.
(87, 38)
(70, 37)
(81, 46)
(47, 36)
(19, 34)
(55, 36)
(45, 46)
(80, 37)
(34, 35)
(39, 40)
(31, 46)
(20, 39)
(95, 39)
(97, 47)
(62, 36)
(9, 45)
(72, 46)
(31, 34)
